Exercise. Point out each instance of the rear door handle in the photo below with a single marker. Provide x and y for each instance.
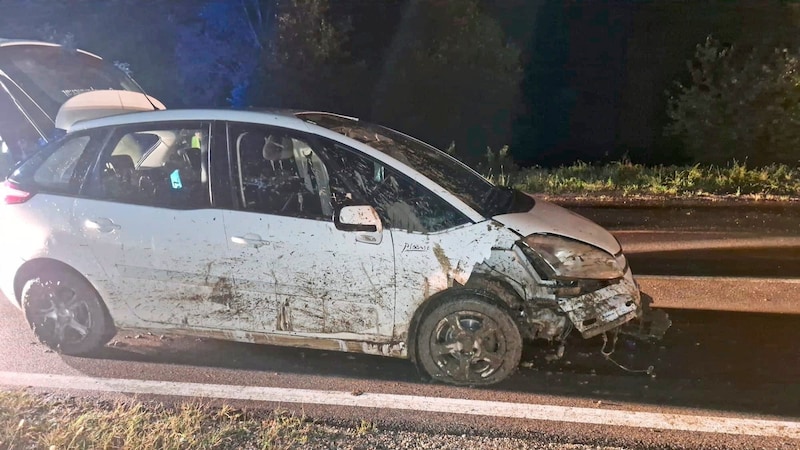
(253, 240)
(101, 224)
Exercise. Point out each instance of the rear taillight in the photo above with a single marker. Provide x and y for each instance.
(13, 195)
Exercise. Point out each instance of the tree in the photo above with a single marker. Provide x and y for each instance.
(664, 35)
(283, 53)
(219, 49)
(306, 63)
(450, 75)
(742, 106)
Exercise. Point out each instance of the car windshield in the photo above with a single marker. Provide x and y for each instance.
(52, 75)
(453, 175)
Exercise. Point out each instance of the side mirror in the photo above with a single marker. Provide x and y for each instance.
(362, 219)
(359, 218)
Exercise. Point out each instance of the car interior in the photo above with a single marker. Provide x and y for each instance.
(158, 168)
(281, 175)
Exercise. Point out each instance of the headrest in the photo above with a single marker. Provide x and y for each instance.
(276, 149)
(122, 162)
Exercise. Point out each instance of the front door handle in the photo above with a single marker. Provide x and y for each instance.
(253, 240)
(101, 224)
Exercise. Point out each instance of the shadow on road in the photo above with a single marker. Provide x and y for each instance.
(767, 219)
(717, 360)
(709, 359)
(762, 262)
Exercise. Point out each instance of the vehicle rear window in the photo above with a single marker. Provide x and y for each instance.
(52, 75)
(17, 135)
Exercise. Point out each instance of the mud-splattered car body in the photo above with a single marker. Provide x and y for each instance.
(302, 229)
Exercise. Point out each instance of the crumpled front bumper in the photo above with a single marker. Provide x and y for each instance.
(603, 310)
(620, 305)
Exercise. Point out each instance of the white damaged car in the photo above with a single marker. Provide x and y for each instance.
(301, 229)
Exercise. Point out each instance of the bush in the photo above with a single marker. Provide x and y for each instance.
(741, 106)
(499, 167)
(626, 179)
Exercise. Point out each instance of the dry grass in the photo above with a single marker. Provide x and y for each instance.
(29, 421)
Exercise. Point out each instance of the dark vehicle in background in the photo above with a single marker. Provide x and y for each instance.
(36, 79)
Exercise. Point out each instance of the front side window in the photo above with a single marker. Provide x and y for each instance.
(401, 202)
(458, 179)
(279, 172)
(162, 165)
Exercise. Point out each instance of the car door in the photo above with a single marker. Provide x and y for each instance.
(294, 271)
(147, 216)
(435, 245)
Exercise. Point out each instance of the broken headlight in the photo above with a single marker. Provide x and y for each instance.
(564, 259)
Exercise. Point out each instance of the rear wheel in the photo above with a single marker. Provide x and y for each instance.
(468, 341)
(66, 313)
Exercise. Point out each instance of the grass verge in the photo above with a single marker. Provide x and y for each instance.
(624, 179)
(47, 421)
(35, 421)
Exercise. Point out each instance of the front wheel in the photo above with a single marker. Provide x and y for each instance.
(468, 341)
(66, 313)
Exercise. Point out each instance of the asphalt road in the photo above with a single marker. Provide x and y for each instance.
(766, 219)
(711, 363)
(714, 361)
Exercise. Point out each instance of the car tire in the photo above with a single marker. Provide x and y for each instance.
(66, 313)
(468, 340)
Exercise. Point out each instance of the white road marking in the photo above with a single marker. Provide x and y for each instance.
(717, 279)
(680, 422)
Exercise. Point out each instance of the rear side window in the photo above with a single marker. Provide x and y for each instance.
(162, 165)
(60, 167)
(58, 171)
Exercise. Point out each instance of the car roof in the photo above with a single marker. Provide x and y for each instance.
(266, 117)
(31, 43)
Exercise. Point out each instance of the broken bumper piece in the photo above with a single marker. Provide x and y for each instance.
(603, 310)
(652, 324)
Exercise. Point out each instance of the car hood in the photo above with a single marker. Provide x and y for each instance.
(547, 218)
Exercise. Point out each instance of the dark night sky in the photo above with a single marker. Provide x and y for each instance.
(595, 72)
